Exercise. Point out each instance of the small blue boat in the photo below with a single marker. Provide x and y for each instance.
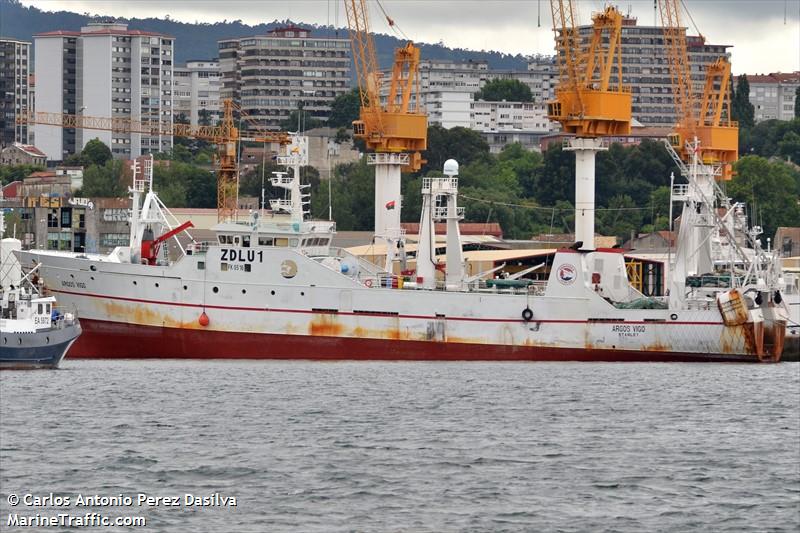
(33, 332)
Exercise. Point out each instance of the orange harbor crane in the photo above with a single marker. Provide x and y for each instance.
(708, 120)
(395, 132)
(225, 135)
(588, 102)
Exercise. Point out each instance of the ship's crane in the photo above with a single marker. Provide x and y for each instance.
(225, 135)
(709, 120)
(704, 145)
(588, 103)
(395, 132)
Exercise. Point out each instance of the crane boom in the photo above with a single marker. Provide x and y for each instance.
(586, 103)
(225, 135)
(398, 126)
(366, 62)
(707, 119)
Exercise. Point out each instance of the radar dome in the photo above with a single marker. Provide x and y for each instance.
(451, 167)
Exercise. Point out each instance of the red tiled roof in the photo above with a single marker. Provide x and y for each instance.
(30, 149)
(11, 190)
(668, 236)
(774, 77)
(42, 174)
(58, 33)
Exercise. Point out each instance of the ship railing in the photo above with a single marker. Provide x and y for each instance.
(535, 288)
(680, 191)
(62, 316)
(365, 268)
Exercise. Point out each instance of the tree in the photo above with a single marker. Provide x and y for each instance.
(96, 152)
(556, 179)
(462, 144)
(300, 120)
(741, 108)
(106, 181)
(204, 117)
(789, 147)
(770, 190)
(17, 172)
(345, 109)
(353, 194)
(525, 164)
(797, 102)
(508, 90)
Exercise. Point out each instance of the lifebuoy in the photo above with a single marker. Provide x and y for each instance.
(368, 283)
(527, 314)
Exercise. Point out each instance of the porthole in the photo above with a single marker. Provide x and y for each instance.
(272, 293)
(244, 291)
(91, 278)
(185, 288)
(72, 276)
(302, 293)
(157, 285)
(216, 290)
(134, 282)
(93, 268)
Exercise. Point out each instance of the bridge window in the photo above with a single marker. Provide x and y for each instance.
(266, 241)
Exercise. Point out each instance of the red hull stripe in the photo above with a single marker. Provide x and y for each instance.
(116, 340)
(423, 317)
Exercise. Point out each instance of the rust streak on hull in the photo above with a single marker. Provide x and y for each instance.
(116, 340)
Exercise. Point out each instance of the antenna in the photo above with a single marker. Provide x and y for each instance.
(539, 13)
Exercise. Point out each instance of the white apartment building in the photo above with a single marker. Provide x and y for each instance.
(504, 123)
(447, 89)
(196, 88)
(499, 116)
(773, 95)
(15, 58)
(270, 76)
(104, 70)
(541, 77)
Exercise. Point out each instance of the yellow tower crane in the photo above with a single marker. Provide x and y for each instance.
(225, 135)
(708, 120)
(588, 103)
(399, 125)
(395, 132)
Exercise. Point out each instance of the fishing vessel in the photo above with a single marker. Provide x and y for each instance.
(275, 288)
(34, 332)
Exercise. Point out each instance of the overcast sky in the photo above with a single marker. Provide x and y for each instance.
(765, 34)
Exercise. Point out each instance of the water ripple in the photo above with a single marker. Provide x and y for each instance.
(415, 447)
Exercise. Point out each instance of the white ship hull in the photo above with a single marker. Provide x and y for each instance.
(130, 310)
